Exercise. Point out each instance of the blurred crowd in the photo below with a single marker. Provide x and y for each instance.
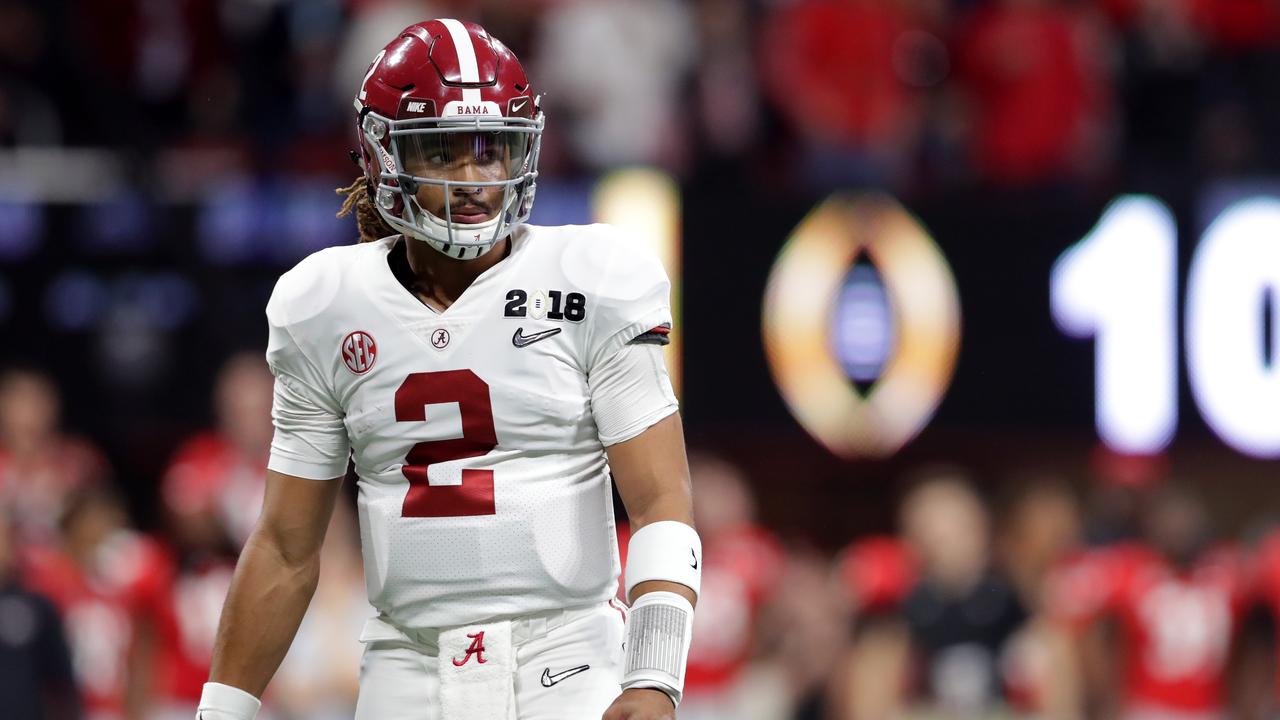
(100, 620)
(909, 95)
(1120, 600)
(1041, 599)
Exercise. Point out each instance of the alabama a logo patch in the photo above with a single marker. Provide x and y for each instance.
(475, 648)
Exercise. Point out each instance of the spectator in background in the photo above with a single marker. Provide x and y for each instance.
(366, 32)
(1042, 527)
(728, 89)
(220, 471)
(320, 677)
(802, 640)
(39, 465)
(613, 70)
(1240, 107)
(211, 495)
(874, 576)
(957, 619)
(30, 70)
(1258, 674)
(188, 616)
(36, 679)
(744, 563)
(1176, 603)
(1040, 91)
(1162, 64)
(108, 583)
(838, 71)
(962, 611)
(146, 60)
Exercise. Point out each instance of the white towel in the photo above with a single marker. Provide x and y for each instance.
(477, 666)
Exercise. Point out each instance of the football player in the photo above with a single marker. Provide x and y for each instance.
(486, 378)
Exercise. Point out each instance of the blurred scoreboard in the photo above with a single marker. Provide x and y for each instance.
(1119, 286)
(1121, 317)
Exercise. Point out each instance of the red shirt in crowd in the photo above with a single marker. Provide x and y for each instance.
(1034, 78)
(102, 609)
(829, 66)
(741, 570)
(187, 625)
(1231, 24)
(208, 473)
(879, 573)
(1176, 626)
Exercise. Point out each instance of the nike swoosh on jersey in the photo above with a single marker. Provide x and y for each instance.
(521, 340)
(548, 679)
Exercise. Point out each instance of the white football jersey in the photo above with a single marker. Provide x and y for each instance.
(483, 486)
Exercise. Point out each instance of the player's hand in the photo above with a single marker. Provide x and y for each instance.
(641, 704)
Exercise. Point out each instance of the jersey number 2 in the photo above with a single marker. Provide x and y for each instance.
(475, 495)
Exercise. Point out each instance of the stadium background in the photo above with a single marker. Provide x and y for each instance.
(163, 161)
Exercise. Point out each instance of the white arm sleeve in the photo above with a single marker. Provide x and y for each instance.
(630, 391)
(310, 439)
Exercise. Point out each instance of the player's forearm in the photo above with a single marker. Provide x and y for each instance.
(269, 595)
(670, 501)
(652, 474)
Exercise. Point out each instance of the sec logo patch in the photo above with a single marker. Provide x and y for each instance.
(359, 352)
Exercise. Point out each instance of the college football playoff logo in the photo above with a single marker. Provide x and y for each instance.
(861, 325)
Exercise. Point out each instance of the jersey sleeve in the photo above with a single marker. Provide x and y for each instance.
(627, 376)
(630, 391)
(310, 438)
(632, 302)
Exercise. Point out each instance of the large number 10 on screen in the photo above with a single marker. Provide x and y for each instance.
(474, 496)
(1119, 284)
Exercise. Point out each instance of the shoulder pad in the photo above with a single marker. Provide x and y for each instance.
(310, 287)
(619, 266)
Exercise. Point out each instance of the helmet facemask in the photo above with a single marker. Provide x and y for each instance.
(492, 152)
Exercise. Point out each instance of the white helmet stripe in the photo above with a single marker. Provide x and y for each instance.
(467, 66)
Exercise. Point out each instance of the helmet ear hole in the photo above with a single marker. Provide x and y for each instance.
(408, 185)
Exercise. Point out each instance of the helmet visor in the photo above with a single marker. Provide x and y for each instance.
(485, 156)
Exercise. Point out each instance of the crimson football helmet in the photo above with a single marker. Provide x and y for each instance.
(446, 104)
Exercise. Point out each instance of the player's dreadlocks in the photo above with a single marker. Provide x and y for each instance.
(368, 221)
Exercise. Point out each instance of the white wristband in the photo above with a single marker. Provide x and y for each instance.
(224, 702)
(659, 631)
(665, 550)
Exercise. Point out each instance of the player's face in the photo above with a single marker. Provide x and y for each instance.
(463, 157)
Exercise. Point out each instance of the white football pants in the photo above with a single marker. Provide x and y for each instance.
(567, 666)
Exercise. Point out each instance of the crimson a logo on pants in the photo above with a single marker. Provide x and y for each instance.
(475, 648)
